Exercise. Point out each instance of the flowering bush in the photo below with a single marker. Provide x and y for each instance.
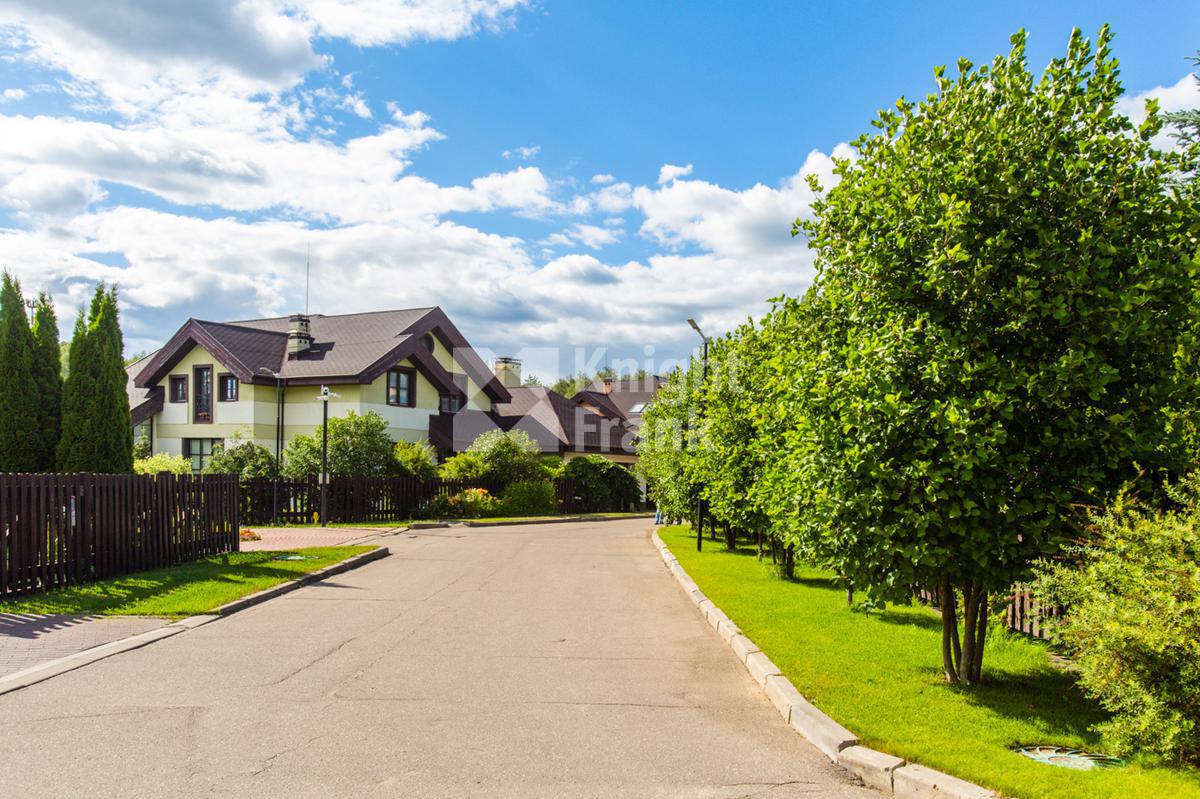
(470, 503)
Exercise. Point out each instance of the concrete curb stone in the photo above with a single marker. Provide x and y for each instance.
(873, 768)
(892, 775)
(917, 782)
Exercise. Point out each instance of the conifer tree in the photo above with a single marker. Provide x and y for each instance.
(19, 418)
(47, 377)
(112, 422)
(74, 441)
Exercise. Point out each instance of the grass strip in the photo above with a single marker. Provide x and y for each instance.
(879, 676)
(185, 590)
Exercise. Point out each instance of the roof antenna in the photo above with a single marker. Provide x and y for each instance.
(307, 271)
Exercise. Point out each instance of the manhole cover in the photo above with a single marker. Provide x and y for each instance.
(294, 557)
(1065, 757)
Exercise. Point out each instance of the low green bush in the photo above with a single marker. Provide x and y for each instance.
(1132, 593)
(415, 459)
(470, 503)
(243, 458)
(162, 462)
(529, 498)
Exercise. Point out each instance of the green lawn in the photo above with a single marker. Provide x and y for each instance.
(879, 676)
(185, 590)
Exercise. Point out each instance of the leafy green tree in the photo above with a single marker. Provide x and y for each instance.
(1004, 277)
(242, 457)
(603, 484)
(507, 457)
(415, 459)
(668, 427)
(21, 437)
(47, 377)
(97, 432)
(358, 446)
(1187, 127)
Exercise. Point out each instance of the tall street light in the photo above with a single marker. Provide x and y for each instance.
(278, 440)
(325, 396)
(700, 418)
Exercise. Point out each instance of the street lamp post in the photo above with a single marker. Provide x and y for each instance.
(700, 418)
(326, 395)
(278, 441)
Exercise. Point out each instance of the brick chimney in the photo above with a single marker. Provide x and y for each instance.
(299, 337)
(607, 385)
(508, 370)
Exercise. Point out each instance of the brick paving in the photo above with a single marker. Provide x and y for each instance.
(300, 537)
(29, 639)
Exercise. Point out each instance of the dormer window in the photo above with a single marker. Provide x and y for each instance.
(402, 387)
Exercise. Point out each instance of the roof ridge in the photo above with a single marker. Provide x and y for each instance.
(425, 308)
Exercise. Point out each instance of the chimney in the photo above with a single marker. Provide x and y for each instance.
(508, 370)
(608, 385)
(299, 337)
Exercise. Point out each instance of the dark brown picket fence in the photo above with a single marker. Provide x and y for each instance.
(64, 529)
(1022, 614)
(363, 499)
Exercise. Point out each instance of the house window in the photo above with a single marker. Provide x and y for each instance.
(227, 388)
(200, 451)
(202, 405)
(401, 387)
(179, 388)
(427, 341)
(449, 403)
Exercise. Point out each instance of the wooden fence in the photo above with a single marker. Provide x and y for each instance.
(364, 499)
(1022, 614)
(64, 529)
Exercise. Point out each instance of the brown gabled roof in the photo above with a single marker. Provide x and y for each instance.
(143, 402)
(350, 348)
(552, 419)
(627, 393)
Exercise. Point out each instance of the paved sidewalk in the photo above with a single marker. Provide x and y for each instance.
(29, 639)
(300, 537)
(555, 660)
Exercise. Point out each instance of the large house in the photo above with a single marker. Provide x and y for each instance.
(261, 379)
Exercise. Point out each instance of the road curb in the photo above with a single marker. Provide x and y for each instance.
(52, 668)
(352, 562)
(892, 775)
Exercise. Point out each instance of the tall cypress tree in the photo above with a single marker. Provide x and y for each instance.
(47, 377)
(109, 406)
(19, 417)
(75, 442)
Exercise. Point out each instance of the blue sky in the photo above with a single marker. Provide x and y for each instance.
(562, 177)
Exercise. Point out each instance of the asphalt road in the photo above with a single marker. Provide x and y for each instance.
(531, 661)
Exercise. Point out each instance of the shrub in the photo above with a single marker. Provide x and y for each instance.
(162, 462)
(1132, 593)
(358, 446)
(463, 466)
(243, 458)
(470, 503)
(415, 459)
(603, 485)
(507, 457)
(529, 498)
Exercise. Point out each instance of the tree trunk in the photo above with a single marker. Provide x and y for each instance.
(730, 538)
(950, 658)
(789, 563)
(981, 620)
(760, 542)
